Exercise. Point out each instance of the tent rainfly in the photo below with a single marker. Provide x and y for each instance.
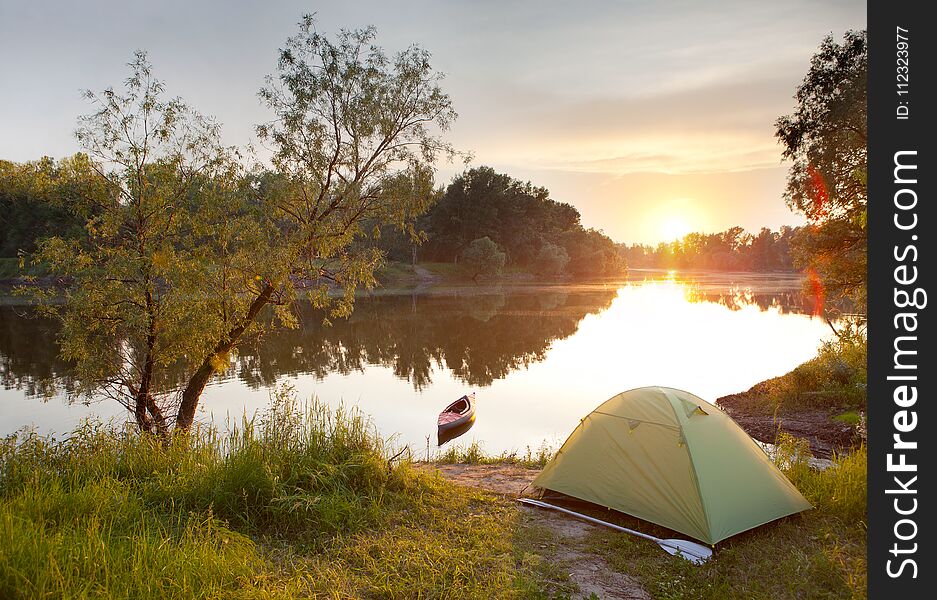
(671, 458)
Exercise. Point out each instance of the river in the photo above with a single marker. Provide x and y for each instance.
(539, 357)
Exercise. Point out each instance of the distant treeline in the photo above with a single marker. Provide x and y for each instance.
(730, 250)
(534, 232)
(28, 212)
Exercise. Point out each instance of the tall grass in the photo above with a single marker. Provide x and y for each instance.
(300, 501)
(107, 512)
(474, 454)
(838, 491)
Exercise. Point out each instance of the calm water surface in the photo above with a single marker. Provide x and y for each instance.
(539, 357)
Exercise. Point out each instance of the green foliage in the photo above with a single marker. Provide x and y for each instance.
(551, 260)
(30, 205)
(354, 145)
(591, 253)
(482, 203)
(729, 250)
(826, 139)
(483, 257)
(353, 151)
(533, 230)
(839, 490)
(834, 379)
(147, 194)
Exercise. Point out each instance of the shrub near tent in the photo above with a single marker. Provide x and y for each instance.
(671, 458)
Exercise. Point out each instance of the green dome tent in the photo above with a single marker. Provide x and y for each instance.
(668, 457)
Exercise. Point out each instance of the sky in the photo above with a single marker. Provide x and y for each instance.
(653, 118)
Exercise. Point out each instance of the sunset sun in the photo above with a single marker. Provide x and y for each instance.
(674, 227)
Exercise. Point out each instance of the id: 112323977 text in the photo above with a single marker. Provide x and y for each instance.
(902, 73)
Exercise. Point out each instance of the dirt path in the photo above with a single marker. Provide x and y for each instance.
(588, 571)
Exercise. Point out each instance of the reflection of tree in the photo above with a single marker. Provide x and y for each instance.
(29, 357)
(737, 299)
(481, 338)
(30, 360)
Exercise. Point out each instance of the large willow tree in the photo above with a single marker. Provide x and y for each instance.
(354, 139)
(185, 255)
(133, 278)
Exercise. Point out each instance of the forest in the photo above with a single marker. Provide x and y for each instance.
(526, 227)
(731, 250)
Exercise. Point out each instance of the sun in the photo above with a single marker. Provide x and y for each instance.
(674, 228)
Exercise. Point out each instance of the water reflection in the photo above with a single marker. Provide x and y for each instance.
(478, 337)
(29, 359)
(539, 356)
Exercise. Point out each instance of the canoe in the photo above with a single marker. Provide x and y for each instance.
(456, 419)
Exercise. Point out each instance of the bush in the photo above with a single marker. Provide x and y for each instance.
(483, 257)
(551, 260)
(839, 490)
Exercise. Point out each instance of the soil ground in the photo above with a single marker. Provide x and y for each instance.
(825, 434)
(590, 572)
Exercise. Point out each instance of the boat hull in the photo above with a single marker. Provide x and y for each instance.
(454, 422)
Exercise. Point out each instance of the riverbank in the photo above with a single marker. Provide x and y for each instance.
(303, 502)
(821, 401)
(308, 502)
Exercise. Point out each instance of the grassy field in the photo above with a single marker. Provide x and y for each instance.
(303, 502)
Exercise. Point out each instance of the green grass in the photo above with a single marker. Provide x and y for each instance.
(851, 418)
(834, 380)
(473, 454)
(300, 502)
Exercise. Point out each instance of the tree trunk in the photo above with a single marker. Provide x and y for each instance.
(143, 396)
(139, 413)
(196, 385)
